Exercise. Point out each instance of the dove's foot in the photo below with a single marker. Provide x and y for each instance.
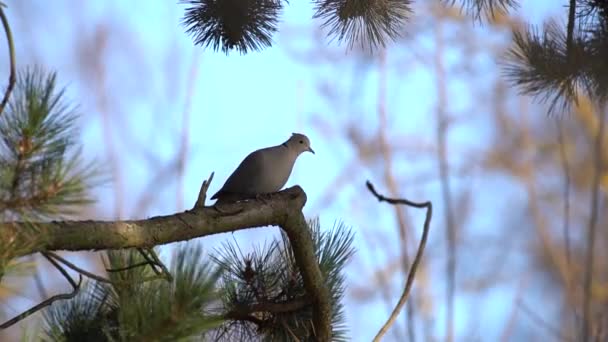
(226, 212)
(263, 197)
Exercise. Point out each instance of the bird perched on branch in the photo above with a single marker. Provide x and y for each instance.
(263, 171)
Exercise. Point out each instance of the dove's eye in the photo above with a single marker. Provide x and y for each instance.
(301, 142)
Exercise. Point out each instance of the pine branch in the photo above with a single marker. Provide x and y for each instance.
(282, 209)
(40, 172)
(555, 63)
(242, 25)
(544, 64)
(368, 22)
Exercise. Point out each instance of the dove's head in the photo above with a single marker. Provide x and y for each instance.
(299, 143)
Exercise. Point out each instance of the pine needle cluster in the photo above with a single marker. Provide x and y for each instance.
(41, 172)
(246, 25)
(556, 63)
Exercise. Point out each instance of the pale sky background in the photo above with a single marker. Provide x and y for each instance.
(241, 103)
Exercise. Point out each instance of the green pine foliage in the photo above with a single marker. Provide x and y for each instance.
(268, 278)
(41, 172)
(133, 309)
(556, 65)
(225, 296)
(368, 23)
(247, 26)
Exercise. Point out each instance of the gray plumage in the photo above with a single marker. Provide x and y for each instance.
(263, 171)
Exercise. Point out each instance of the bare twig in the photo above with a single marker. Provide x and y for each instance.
(542, 322)
(592, 228)
(268, 307)
(566, 169)
(38, 280)
(412, 273)
(444, 176)
(12, 77)
(61, 269)
(185, 135)
(150, 259)
(507, 331)
(90, 274)
(202, 194)
(561, 139)
(55, 260)
(144, 253)
(55, 257)
(391, 182)
(49, 301)
(100, 72)
(129, 267)
(156, 261)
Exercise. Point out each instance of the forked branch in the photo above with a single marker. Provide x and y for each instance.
(412, 273)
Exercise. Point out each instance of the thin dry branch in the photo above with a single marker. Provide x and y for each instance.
(49, 301)
(155, 261)
(412, 273)
(56, 260)
(444, 178)
(129, 267)
(542, 322)
(283, 209)
(251, 313)
(151, 260)
(592, 230)
(391, 182)
(12, 77)
(202, 194)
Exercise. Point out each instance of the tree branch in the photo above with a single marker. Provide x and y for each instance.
(48, 301)
(159, 230)
(202, 194)
(570, 28)
(282, 209)
(250, 313)
(412, 274)
(283, 307)
(12, 77)
(592, 230)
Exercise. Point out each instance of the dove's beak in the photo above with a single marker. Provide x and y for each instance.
(311, 150)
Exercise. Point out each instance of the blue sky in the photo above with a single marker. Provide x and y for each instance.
(241, 103)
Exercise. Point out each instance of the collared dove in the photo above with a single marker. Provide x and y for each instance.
(263, 171)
